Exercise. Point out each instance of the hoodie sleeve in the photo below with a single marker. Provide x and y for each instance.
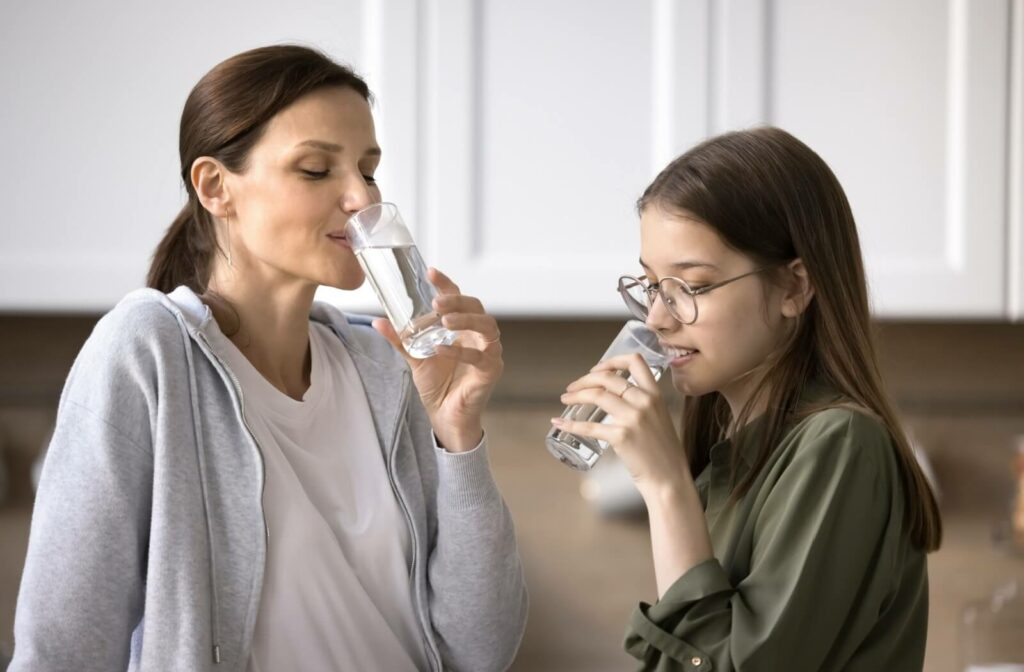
(478, 599)
(81, 592)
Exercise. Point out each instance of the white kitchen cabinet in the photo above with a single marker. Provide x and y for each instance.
(92, 98)
(519, 133)
(908, 102)
(542, 122)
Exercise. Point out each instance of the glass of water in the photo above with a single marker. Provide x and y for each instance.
(395, 269)
(580, 452)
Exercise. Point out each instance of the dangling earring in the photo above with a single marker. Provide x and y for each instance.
(227, 236)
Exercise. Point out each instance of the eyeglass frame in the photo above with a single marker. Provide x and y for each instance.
(654, 288)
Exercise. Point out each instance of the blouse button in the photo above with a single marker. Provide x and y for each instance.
(696, 661)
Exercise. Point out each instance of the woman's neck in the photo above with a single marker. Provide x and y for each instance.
(270, 326)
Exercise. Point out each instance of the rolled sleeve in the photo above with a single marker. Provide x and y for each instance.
(650, 628)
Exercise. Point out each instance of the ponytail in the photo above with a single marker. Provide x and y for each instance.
(183, 256)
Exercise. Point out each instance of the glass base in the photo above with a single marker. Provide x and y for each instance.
(572, 451)
(423, 344)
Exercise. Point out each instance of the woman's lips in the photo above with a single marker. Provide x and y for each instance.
(341, 241)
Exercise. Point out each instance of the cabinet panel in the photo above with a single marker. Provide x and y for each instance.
(542, 124)
(909, 107)
(93, 92)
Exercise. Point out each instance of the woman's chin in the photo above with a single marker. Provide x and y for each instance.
(349, 281)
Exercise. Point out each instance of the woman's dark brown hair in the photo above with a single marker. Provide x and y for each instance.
(771, 197)
(224, 117)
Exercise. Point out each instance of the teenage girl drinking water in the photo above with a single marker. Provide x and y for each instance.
(790, 521)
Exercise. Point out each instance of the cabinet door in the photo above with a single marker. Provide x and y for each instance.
(907, 101)
(536, 134)
(92, 98)
(542, 122)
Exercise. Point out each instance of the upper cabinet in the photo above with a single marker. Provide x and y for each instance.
(518, 134)
(909, 103)
(91, 103)
(540, 123)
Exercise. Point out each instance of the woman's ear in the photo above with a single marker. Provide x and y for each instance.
(798, 289)
(208, 179)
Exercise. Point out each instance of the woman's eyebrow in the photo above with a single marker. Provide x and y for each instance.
(332, 147)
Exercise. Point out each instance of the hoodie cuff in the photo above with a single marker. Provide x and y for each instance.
(464, 479)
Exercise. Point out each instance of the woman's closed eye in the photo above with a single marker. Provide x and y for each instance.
(322, 174)
(315, 174)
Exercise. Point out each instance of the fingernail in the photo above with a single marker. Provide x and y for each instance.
(557, 421)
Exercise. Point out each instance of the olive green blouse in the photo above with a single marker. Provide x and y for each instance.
(813, 568)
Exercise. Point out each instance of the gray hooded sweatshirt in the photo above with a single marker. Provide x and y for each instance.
(148, 538)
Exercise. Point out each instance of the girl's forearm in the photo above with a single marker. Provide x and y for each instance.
(679, 532)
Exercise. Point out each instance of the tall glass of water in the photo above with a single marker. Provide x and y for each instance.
(580, 452)
(395, 269)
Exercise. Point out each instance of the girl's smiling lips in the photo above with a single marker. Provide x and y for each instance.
(680, 355)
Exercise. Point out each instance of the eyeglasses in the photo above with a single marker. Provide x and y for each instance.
(679, 298)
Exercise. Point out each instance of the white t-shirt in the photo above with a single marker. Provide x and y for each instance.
(336, 591)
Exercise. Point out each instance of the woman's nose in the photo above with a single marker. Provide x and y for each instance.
(357, 195)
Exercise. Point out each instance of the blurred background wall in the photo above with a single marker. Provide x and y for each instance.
(517, 136)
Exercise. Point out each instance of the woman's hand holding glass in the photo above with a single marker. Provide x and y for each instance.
(639, 429)
(456, 384)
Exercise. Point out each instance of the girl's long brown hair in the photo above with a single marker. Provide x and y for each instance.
(774, 199)
(224, 117)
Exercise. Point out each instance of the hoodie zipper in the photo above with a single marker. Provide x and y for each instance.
(245, 423)
(435, 656)
(259, 453)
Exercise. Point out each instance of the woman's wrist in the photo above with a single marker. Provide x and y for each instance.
(459, 439)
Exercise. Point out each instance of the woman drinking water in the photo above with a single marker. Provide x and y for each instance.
(243, 479)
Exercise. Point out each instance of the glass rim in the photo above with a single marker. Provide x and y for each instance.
(633, 325)
(381, 205)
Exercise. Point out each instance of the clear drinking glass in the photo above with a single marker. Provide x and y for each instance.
(395, 269)
(581, 452)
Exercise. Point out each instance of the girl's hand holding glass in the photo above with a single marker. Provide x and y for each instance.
(639, 426)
